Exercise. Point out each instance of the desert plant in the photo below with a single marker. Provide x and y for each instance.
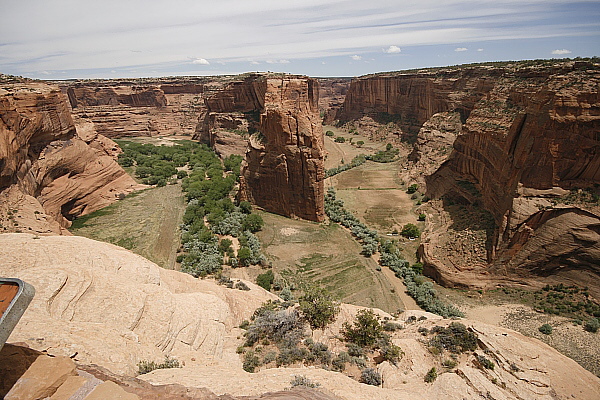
(412, 188)
(370, 377)
(365, 329)
(431, 375)
(486, 363)
(592, 325)
(318, 308)
(251, 361)
(265, 280)
(148, 366)
(546, 329)
(303, 381)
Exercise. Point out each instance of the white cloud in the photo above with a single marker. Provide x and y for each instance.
(45, 72)
(200, 61)
(254, 63)
(392, 50)
(278, 61)
(479, 49)
(561, 52)
(461, 49)
(356, 57)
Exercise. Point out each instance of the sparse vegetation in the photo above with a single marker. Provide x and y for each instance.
(318, 308)
(370, 377)
(303, 381)
(145, 366)
(546, 329)
(455, 338)
(431, 375)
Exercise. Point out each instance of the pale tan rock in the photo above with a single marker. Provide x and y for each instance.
(42, 379)
(107, 306)
(110, 390)
(68, 388)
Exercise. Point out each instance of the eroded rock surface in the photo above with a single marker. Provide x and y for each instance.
(48, 173)
(525, 142)
(283, 171)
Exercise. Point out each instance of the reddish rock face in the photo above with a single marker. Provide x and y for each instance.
(283, 171)
(529, 135)
(48, 173)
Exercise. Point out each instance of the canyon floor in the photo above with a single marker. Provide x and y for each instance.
(302, 251)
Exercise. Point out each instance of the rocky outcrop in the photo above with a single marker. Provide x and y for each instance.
(147, 312)
(283, 171)
(332, 92)
(528, 135)
(48, 173)
(139, 107)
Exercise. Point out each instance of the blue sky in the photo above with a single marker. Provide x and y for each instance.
(52, 39)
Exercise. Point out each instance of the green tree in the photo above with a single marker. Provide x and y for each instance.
(244, 254)
(340, 139)
(360, 143)
(329, 133)
(318, 307)
(365, 331)
(245, 207)
(410, 231)
(265, 280)
(253, 223)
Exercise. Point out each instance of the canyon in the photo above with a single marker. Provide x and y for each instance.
(513, 140)
(505, 157)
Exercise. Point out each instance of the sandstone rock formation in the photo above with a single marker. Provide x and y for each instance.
(283, 171)
(48, 173)
(529, 135)
(104, 305)
(139, 107)
(332, 92)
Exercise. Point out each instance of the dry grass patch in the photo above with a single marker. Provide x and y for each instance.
(327, 255)
(146, 223)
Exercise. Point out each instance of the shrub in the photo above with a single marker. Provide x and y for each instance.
(592, 325)
(389, 351)
(360, 143)
(410, 231)
(455, 338)
(265, 280)
(487, 364)
(253, 223)
(241, 286)
(422, 217)
(391, 326)
(449, 363)
(431, 375)
(365, 330)
(318, 308)
(303, 381)
(370, 377)
(340, 139)
(412, 188)
(329, 133)
(251, 361)
(148, 366)
(546, 329)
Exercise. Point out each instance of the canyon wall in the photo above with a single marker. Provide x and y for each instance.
(49, 174)
(140, 107)
(278, 115)
(527, 151)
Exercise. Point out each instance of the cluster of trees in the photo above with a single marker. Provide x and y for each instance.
(157, 165)
(335, 210)
(207, 187)
(416, 286)
(356, 161)
(385, 156)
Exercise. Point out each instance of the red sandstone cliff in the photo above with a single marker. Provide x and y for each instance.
(139, 107)
(48, 173)
(529, 135)
(283, 171)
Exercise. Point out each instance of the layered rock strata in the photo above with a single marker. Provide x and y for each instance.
(528, 143)
(50, 174)
(139, 107)
(283, 171)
